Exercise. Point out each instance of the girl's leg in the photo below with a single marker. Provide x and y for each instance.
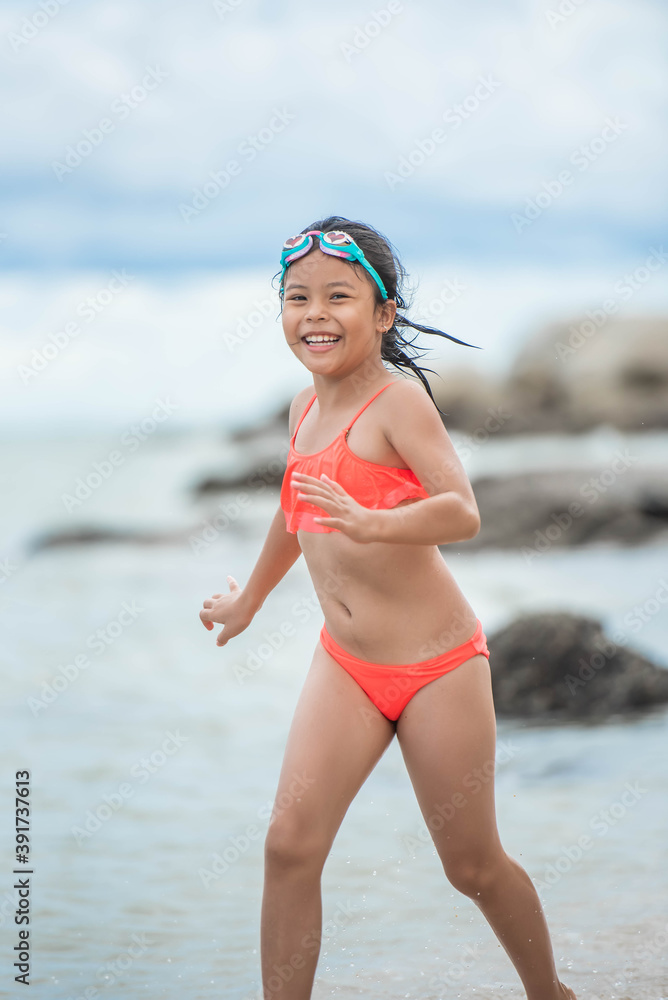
(447, 734)
(336, 737)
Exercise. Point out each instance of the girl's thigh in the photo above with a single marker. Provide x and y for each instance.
(447, 735)
(336, 737)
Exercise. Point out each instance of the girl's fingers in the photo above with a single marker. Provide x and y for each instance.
(302, 480)
(332, 481)
(325, 503)
(314, 491)
(337, 488)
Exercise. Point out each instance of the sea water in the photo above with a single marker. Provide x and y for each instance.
(161, 755)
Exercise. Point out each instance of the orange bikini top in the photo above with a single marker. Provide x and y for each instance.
(371, 484)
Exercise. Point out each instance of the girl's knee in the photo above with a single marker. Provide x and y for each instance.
(474, 875)
(289, 845)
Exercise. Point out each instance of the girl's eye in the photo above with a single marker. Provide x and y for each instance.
(299, 298)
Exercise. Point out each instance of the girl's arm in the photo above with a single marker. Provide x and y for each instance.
(450, 513)
(438, 520)
(237, 609)
(411, 424)
(281, 548)
(280, 551)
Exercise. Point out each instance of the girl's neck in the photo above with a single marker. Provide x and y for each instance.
(336, 394)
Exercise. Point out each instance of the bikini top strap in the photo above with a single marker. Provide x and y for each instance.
(305, 411)
(366, 404)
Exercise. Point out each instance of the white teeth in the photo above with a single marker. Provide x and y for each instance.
(321, 340)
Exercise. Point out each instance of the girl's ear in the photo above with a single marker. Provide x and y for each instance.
(388, 313)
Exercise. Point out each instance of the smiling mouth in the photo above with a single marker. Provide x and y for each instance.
(315, 339)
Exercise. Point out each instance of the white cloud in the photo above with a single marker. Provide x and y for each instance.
(354, 118)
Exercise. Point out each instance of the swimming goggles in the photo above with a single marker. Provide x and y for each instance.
(336, 243)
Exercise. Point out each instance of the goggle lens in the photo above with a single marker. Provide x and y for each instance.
(294, 241)
(297, 246)
(339, 238)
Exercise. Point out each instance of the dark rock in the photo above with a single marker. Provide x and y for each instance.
(568, 377)
(559, 667)
(95, 536)
(259, 463)
(581, 375)
(273, 424)
(264, 472)
(538, 510)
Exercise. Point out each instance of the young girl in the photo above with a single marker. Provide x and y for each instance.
(401, 650)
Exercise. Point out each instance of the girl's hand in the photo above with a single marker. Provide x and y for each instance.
(228, 610)
(345, 513)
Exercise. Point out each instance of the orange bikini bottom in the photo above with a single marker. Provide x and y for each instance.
(390, 686)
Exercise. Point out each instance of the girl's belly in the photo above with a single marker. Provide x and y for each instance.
(387, 603)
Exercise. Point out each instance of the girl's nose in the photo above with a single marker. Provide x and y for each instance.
(316, 312)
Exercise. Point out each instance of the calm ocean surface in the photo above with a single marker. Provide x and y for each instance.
(151, 756)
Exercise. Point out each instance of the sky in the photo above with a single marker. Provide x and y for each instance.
(518, 151)
(168, 136)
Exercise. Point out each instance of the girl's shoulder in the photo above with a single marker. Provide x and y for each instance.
(406, 392)
(298, 405)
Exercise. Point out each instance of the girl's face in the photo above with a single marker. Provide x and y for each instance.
(325, 295)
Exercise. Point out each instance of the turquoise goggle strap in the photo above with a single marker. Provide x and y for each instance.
(348, 251)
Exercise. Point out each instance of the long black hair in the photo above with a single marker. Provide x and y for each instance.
(382, 256)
